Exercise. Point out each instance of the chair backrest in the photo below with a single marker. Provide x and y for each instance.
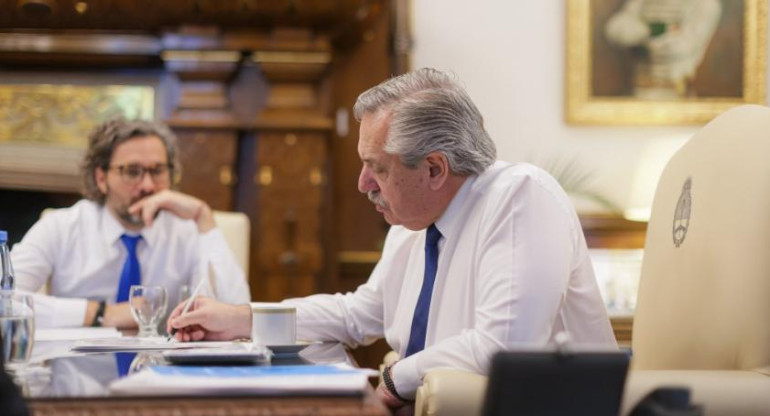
(704, 296)
(236, 228)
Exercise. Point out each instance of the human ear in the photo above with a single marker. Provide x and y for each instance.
(438, 169)
(100, 176)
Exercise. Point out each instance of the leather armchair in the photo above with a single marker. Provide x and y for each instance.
(704, 297)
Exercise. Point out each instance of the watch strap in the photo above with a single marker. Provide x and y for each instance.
(387, 379)
(99, 317)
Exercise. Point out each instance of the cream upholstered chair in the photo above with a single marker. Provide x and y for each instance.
(703, 315)
(236, 228)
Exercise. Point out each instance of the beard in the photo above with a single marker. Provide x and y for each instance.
(121, 210)
(128, 218)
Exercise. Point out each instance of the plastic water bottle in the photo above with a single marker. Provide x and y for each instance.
(6, 279)
(17, 316)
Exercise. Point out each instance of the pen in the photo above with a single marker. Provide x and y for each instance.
(187, 306)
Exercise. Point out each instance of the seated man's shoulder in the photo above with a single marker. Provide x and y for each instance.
(82, 209)
(512, 176)
(507, 184)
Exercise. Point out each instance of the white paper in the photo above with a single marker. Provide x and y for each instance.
(140, 344)
(77, 333)
(252, 380)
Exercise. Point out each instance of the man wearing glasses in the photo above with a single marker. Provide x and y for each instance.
(131, 229)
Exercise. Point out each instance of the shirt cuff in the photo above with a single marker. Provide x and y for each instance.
(212, 238)
(405, 377)
(54, 312)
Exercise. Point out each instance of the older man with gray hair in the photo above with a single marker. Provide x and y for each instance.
(481, 256)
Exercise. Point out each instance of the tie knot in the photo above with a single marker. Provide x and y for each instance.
(130, 241)
(432, 236)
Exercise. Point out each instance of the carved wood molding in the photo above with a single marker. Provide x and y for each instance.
(205, 80)
(149, 14)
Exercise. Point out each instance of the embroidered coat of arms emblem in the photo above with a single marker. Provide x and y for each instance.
(682, 213)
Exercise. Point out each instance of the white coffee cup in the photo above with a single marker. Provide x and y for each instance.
(273, 323)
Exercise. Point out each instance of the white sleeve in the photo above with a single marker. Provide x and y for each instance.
(58, 312)
(33, 262)
(33, 257)
(227, 281)
(352, 318)
(355, 318)
(525, 254)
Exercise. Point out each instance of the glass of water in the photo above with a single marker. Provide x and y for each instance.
(17, 328)
(148, 304)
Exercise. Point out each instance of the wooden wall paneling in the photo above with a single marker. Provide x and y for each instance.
(291, 166)
(203, 119)
(291, 177)
(148, 15)
(204, 81)
(248, 195)
(208, 159)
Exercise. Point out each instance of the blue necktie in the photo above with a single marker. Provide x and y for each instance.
(131, 275)
(420, 319)
(123, 361)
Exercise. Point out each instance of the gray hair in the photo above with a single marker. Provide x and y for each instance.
(107, 136)
(430, 112)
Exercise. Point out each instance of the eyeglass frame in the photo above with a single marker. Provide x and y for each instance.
(155, 177)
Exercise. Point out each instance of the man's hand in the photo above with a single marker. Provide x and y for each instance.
(208, 319)
(396, 405)
(179, 204)
(119, 315)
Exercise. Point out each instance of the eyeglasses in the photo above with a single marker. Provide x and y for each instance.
(132, 174)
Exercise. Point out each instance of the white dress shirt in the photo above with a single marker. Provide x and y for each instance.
(77, 251)
(513, 271)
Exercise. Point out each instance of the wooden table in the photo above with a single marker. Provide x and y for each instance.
(58, 398)
(210, 406)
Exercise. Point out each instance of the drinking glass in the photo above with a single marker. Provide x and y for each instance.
(184, 293)
(17, 328)
(144, 360)
(148, 304)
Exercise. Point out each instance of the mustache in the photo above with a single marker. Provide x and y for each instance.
(376, 198)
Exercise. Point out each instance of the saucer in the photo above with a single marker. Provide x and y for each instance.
(290, 349)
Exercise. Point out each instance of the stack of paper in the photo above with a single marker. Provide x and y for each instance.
(78, 333)
(245, 380)
(140, 344)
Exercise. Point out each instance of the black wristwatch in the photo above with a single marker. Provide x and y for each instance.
(99, 317)
(388, 381)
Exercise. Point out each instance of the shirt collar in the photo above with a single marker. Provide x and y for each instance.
(447, 223)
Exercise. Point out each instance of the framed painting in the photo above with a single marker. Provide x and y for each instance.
(655, 62)
(44, 129)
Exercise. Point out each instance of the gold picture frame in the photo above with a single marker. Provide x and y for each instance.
(589, 102)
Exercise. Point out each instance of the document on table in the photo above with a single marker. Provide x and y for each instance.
(77, 333)
(140, 344)
(324, 379)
